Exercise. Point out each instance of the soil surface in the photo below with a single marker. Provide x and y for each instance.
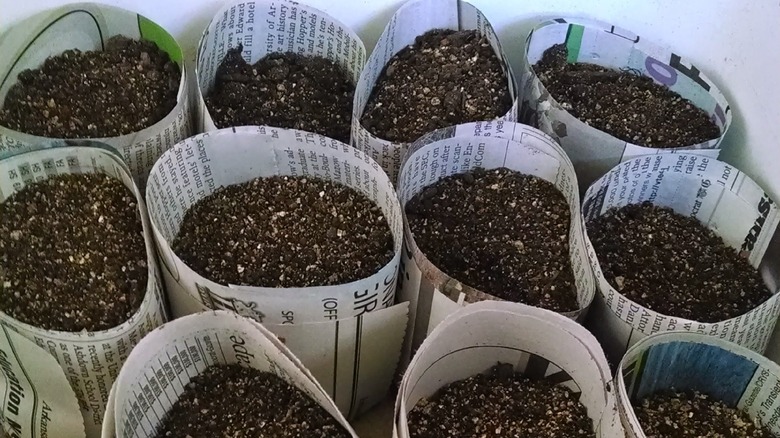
(72, 254)
(237, 402)
(285, 232)
(501, 232)
(625, 104)
(694, 415)
(674, 265)
(501, 403)
(285, 90)
(125, 88)
(445, 78)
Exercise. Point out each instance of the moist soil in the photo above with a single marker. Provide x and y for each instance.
(287, 90)
(445, 78)
(501, 232)
(673, 264)
(125, 88)
(500, 403)
(237, 402)
(72, 254)
(285, 232)
(694, 415)
(625, 104)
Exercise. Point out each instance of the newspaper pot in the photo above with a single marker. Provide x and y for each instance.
(739, 377)
(166, 360)
(87, 26)
(318, 323)
(432, 294)
(90, 360)
(595, 152)
(265, 27)
(726, 201)
(475, 338)
(412, 19)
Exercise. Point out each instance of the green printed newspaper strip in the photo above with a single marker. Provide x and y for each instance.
(151, 31)
(573, 42)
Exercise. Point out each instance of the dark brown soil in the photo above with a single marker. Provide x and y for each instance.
(287, 90)
(445, 78)
(625, 104)
(501, 232)
(285, 232)
(501, 403)
(125, 88)
(694, 415)
(237, 402)
(72, 254)
(673, 264)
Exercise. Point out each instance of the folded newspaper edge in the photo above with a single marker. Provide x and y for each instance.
(725, 200)
(52, 32)
(477, 337)
(739, 377)
(594, 152)
(432, 294)
(90, 360)
(412, 19)
(264, 27)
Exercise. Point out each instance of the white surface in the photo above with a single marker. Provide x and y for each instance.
(732, 41)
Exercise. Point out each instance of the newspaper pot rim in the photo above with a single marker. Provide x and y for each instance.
(153, 272)
(599, 273)
(511, 79)
(201, 94)
(626, 411)
(253, 131)
(643, 47)
(177, 57)
(450, 286)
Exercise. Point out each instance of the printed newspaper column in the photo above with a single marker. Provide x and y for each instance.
(38, 401)
(726, 201)
(348, 334)
(264, 27)
(537, 342)
(90, 360)
(87, 26)
(432, 294)
(412, 19)
(592, 151)
(735, 375)
(165, 361)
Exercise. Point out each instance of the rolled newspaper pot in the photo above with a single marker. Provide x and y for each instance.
(90, 360)
(412, 19)
(721, 197)
(265, 27)
(38, 399)
(537, 342)
(349, 334)
(433, 294)
(737, 376)
(595, 152)
(88, 26)
(167, 360)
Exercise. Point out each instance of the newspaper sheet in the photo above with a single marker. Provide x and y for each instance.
(739, 377)
(311, 319)
(90, 360)
(87, 26)
(415, 18)
(477, 337)
(592, 151)
(725, 200)
(165, 361)
(432, 294)
(266, 26)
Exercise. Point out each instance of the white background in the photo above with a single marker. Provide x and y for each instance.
(734, 42)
